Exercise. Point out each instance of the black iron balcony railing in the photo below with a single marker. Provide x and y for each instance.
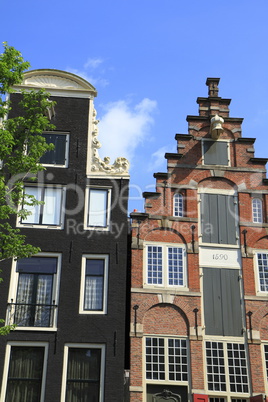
(31, 315)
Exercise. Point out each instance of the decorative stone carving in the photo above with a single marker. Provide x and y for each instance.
(216, 126)
(166, 395)
(120, 166)
(52, 81)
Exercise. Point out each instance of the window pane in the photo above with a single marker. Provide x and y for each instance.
(154, 265)
(257, 210)
(35, 210)
(97, 208)
(155, 359)
(52, 206)
(178, 205)
(262, 259)
(175, 266)
(237, 368)
(33, 305)
(83, 375)
(215, 366)
(25, 374)
(94, 282)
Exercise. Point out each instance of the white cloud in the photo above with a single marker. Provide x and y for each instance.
(95, 81)
(92, 63)
(158, 161)
(122, 127)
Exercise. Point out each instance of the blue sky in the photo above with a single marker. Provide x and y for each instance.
(149, 61)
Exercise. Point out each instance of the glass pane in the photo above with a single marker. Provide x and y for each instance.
(25, 374)
(35, 210)
(97, 208)
(83, 375)
(45, 265)
(52, 206)
(57, 155)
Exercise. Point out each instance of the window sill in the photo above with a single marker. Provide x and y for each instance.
(34, 329)
(33, 226)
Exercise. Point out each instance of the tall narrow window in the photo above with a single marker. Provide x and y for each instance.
(257, 210)
(98, 208)
(94, 284)
(25, 374)
(262, 271)
(178, 205)
(218, 218)
(84, 377)
(36, 292)
(50, 211)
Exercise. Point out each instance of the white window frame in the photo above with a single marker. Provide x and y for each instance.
(265, 363)
(257, 274)
(166, 338)
(106, 227)
(61, 212)
(178, 205)
(165, 247)
(65, 366)
(67, 134)
(55, 292)
(7, 361)
(219, 140)
(257, 210)
(227, 393)
(86, 257)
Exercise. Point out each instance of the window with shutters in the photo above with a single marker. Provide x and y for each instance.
(219, 218)
(33, 298)
(25, 372)
(226, 367)
(94, 284)
(215, 152)
(222, 302)
(50, 212)
(59, 155)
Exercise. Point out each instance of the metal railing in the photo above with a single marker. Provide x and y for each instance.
(31, 315)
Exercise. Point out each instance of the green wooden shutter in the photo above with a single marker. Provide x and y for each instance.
(215, 152)
(222, 302)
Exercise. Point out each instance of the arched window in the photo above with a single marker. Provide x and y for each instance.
(178, 205)
(257, 210)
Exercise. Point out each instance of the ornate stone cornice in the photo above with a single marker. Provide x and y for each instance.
(61, 82)
(121, 165)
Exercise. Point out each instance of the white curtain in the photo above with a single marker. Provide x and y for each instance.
(93, 293)
(25, 374)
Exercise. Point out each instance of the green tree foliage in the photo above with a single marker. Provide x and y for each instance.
(21, 147)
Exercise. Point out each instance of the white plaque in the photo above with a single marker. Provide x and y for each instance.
(219, 257)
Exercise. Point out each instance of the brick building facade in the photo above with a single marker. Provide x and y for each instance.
(69, 341)
(199, 276)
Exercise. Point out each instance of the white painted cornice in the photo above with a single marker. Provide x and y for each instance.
(58, 83)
